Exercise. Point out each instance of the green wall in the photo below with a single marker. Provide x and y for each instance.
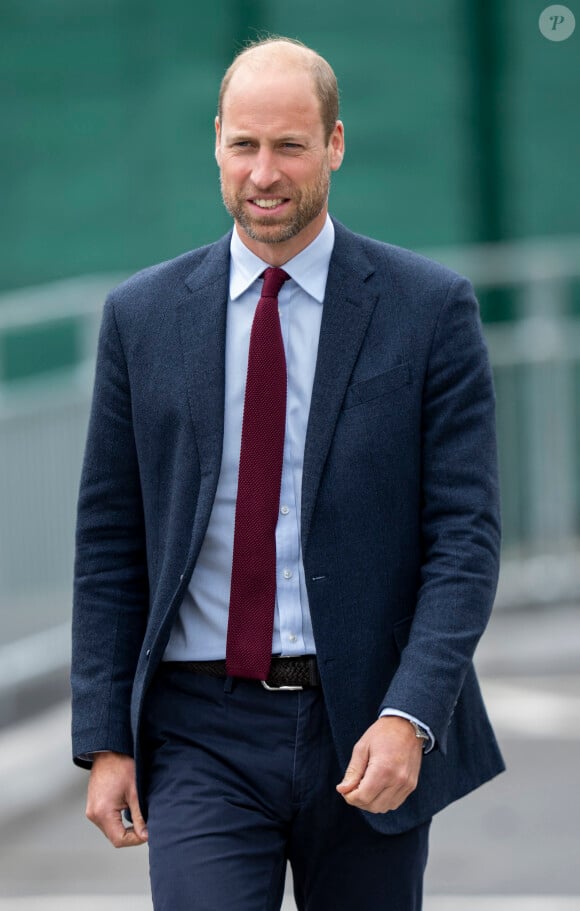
(107, 108)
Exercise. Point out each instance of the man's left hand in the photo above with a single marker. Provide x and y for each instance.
(384, 767)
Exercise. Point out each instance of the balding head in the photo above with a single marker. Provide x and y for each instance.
(275, 54)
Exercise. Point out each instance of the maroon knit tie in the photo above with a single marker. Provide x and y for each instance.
(253, 588)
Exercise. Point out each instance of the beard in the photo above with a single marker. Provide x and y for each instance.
(308, 204)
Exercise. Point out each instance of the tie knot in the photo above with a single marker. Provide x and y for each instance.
(274, 278)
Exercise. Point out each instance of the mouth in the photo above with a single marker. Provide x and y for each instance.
(268, 204)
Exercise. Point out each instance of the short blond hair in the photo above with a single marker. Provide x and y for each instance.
(325, 83)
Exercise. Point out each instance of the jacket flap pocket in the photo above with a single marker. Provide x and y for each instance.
(376, 386)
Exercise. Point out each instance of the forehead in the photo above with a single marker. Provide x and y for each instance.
(260, 95)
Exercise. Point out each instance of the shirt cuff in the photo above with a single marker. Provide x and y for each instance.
(429, 744)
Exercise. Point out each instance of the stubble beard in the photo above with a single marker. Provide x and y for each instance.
(309, 203)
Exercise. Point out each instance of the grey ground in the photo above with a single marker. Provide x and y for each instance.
(514, 845)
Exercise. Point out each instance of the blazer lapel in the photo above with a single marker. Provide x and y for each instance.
(348, 307)
(202, 322)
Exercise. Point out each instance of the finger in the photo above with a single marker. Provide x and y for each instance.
(355, 770)
(381, 804)
(387, 800)
(366, 798)
(374, 779)
(129, 839)
(381, 790)
(139, 825)
(120, 835)
(110, 821)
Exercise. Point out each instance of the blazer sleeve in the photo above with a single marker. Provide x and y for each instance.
(460, 523)
(110, 584)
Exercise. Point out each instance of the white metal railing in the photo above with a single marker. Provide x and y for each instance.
(536, 364)
(78, 299)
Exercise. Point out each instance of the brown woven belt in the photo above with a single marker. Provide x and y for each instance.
(293, 673)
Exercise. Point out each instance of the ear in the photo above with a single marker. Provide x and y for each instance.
(217, 142)
(336, 146)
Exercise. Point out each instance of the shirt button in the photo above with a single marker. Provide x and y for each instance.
(284, 510)
(292, 637)
(287, 573)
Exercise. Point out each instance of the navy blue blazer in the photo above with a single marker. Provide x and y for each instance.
(400, 518)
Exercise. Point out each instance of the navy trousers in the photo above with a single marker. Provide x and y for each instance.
(242, 781)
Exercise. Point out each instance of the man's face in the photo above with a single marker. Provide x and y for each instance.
(275, 166)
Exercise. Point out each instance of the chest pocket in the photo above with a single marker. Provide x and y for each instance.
(377, 386)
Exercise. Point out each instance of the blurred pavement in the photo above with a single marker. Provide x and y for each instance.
(511, 846)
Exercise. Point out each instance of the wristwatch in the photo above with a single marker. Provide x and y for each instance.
(420, 733)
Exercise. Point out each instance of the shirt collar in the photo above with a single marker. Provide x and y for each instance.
(309, 268)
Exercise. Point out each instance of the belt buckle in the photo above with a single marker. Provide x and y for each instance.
(279, 689)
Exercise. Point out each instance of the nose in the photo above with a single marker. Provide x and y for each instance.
(264, 171)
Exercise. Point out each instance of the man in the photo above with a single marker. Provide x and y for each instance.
(337, 509)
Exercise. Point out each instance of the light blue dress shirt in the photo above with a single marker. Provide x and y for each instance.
(199, 633)
(200, 630)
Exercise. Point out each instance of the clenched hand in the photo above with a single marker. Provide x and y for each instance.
(384, 766)
(111, 790)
